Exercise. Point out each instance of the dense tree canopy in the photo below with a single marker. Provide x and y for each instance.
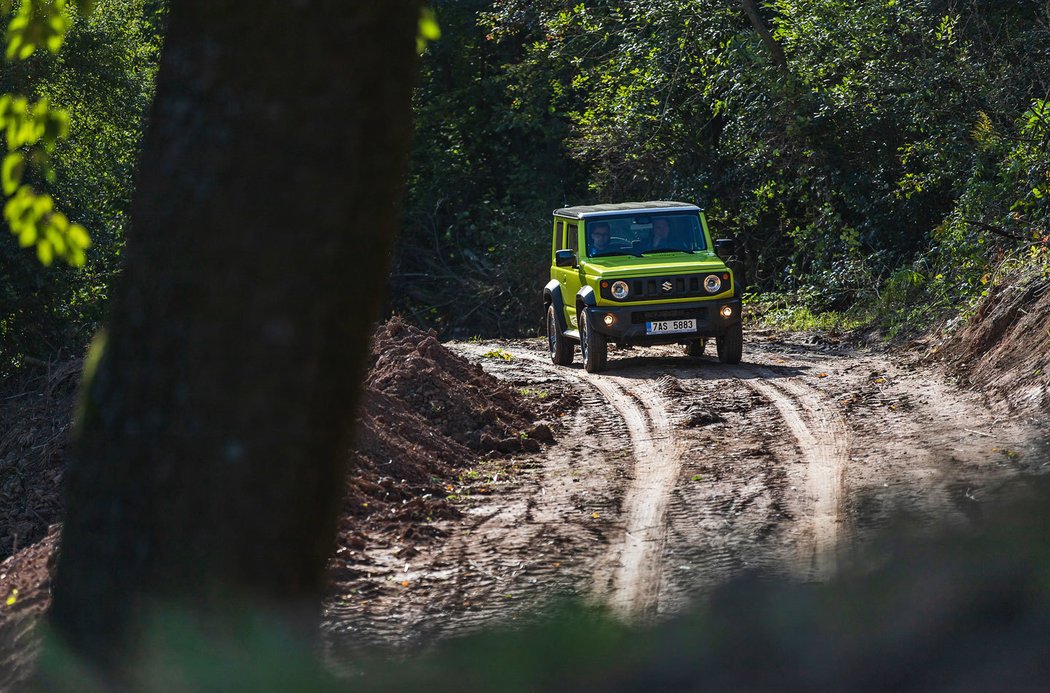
(868, 156)
(856, 165)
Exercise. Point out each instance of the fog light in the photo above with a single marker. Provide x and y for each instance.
(727, 311)
(620, 290)
(609, 319)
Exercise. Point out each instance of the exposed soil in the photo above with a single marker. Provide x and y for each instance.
(36, 412)
(1004, 349)
(677, 474)
(488, 484)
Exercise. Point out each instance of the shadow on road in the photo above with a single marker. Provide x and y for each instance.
(646, 367)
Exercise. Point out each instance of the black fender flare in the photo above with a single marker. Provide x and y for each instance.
(585, 297)
(552, 297)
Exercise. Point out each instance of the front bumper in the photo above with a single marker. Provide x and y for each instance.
(628, 326)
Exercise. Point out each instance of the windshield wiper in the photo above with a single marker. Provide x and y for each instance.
(669, 250)
(609, 253)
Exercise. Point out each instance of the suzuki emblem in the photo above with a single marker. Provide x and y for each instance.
(666, 286)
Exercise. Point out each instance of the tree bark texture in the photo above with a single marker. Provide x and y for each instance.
(209, 461)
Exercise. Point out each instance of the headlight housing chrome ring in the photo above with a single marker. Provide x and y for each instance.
(620, 290)
(712, 283)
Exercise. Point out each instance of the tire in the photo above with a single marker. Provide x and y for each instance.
(593, 345)
(731, 345)
(561, 348)
(695, 347)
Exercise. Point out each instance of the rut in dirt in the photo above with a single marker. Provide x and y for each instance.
(636, 559)
(823, 439)
(629, 581)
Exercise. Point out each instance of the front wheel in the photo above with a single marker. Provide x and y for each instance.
(731, 345)
(593, 345)
(561, 348)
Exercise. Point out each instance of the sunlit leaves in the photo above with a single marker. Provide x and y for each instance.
(37, 24)
(429, 29)
(33, 219)
(31, 131)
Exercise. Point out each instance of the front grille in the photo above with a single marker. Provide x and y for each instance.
(642, 317)
(659, 288)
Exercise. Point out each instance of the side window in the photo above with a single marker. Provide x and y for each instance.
(573, 240)
(559, 239)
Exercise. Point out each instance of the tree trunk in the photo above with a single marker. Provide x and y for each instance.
(775, 50)
(209, 460)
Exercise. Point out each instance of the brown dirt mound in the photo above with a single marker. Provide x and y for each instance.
(427, 413)
(1005, 347)
(36, 411)
(25, 592)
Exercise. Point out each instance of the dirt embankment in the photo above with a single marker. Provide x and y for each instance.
(36, 412)
(428, 413)
(1004, 349)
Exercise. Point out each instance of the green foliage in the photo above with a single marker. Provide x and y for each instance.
(891, 126)
(32, 131)
(499, 354)
(96, 92)
(429, 29)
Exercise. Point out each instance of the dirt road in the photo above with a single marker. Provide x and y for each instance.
(676, 474)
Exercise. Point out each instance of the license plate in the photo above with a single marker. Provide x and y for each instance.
(670, 326)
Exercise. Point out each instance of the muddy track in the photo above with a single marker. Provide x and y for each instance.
(823, 440)
(636, 556)
(629, 580)
(677, 474)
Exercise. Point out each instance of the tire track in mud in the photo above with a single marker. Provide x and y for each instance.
(636, 562)
(823, 438)
(629, 580)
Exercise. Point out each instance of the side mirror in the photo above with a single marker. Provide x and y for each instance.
(724, 247)
(565, 258)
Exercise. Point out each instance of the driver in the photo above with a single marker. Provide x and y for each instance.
(599, 237)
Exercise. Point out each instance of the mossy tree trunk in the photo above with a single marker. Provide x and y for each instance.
(208, 464)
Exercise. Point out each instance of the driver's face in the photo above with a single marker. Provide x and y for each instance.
(600, 234)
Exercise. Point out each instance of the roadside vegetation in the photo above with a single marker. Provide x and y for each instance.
(881, 164)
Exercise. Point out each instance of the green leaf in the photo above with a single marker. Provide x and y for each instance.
(27, 236)
(11, 172)
(428, 30)
(78, 236)
(45, 252)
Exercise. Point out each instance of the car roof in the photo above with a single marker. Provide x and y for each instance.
(589, 211)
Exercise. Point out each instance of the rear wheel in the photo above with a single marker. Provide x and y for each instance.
(695, 347)
(731, 345)
(561, 348)
(593, 345)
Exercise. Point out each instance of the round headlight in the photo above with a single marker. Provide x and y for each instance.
(620, 290)
(712, 283)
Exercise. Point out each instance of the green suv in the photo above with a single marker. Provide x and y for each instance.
(639, 273)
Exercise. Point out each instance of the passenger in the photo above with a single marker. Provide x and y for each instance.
(661, 233)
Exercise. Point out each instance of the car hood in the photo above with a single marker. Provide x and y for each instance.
(625, 266)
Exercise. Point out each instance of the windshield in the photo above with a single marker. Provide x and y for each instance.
(640, 234)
